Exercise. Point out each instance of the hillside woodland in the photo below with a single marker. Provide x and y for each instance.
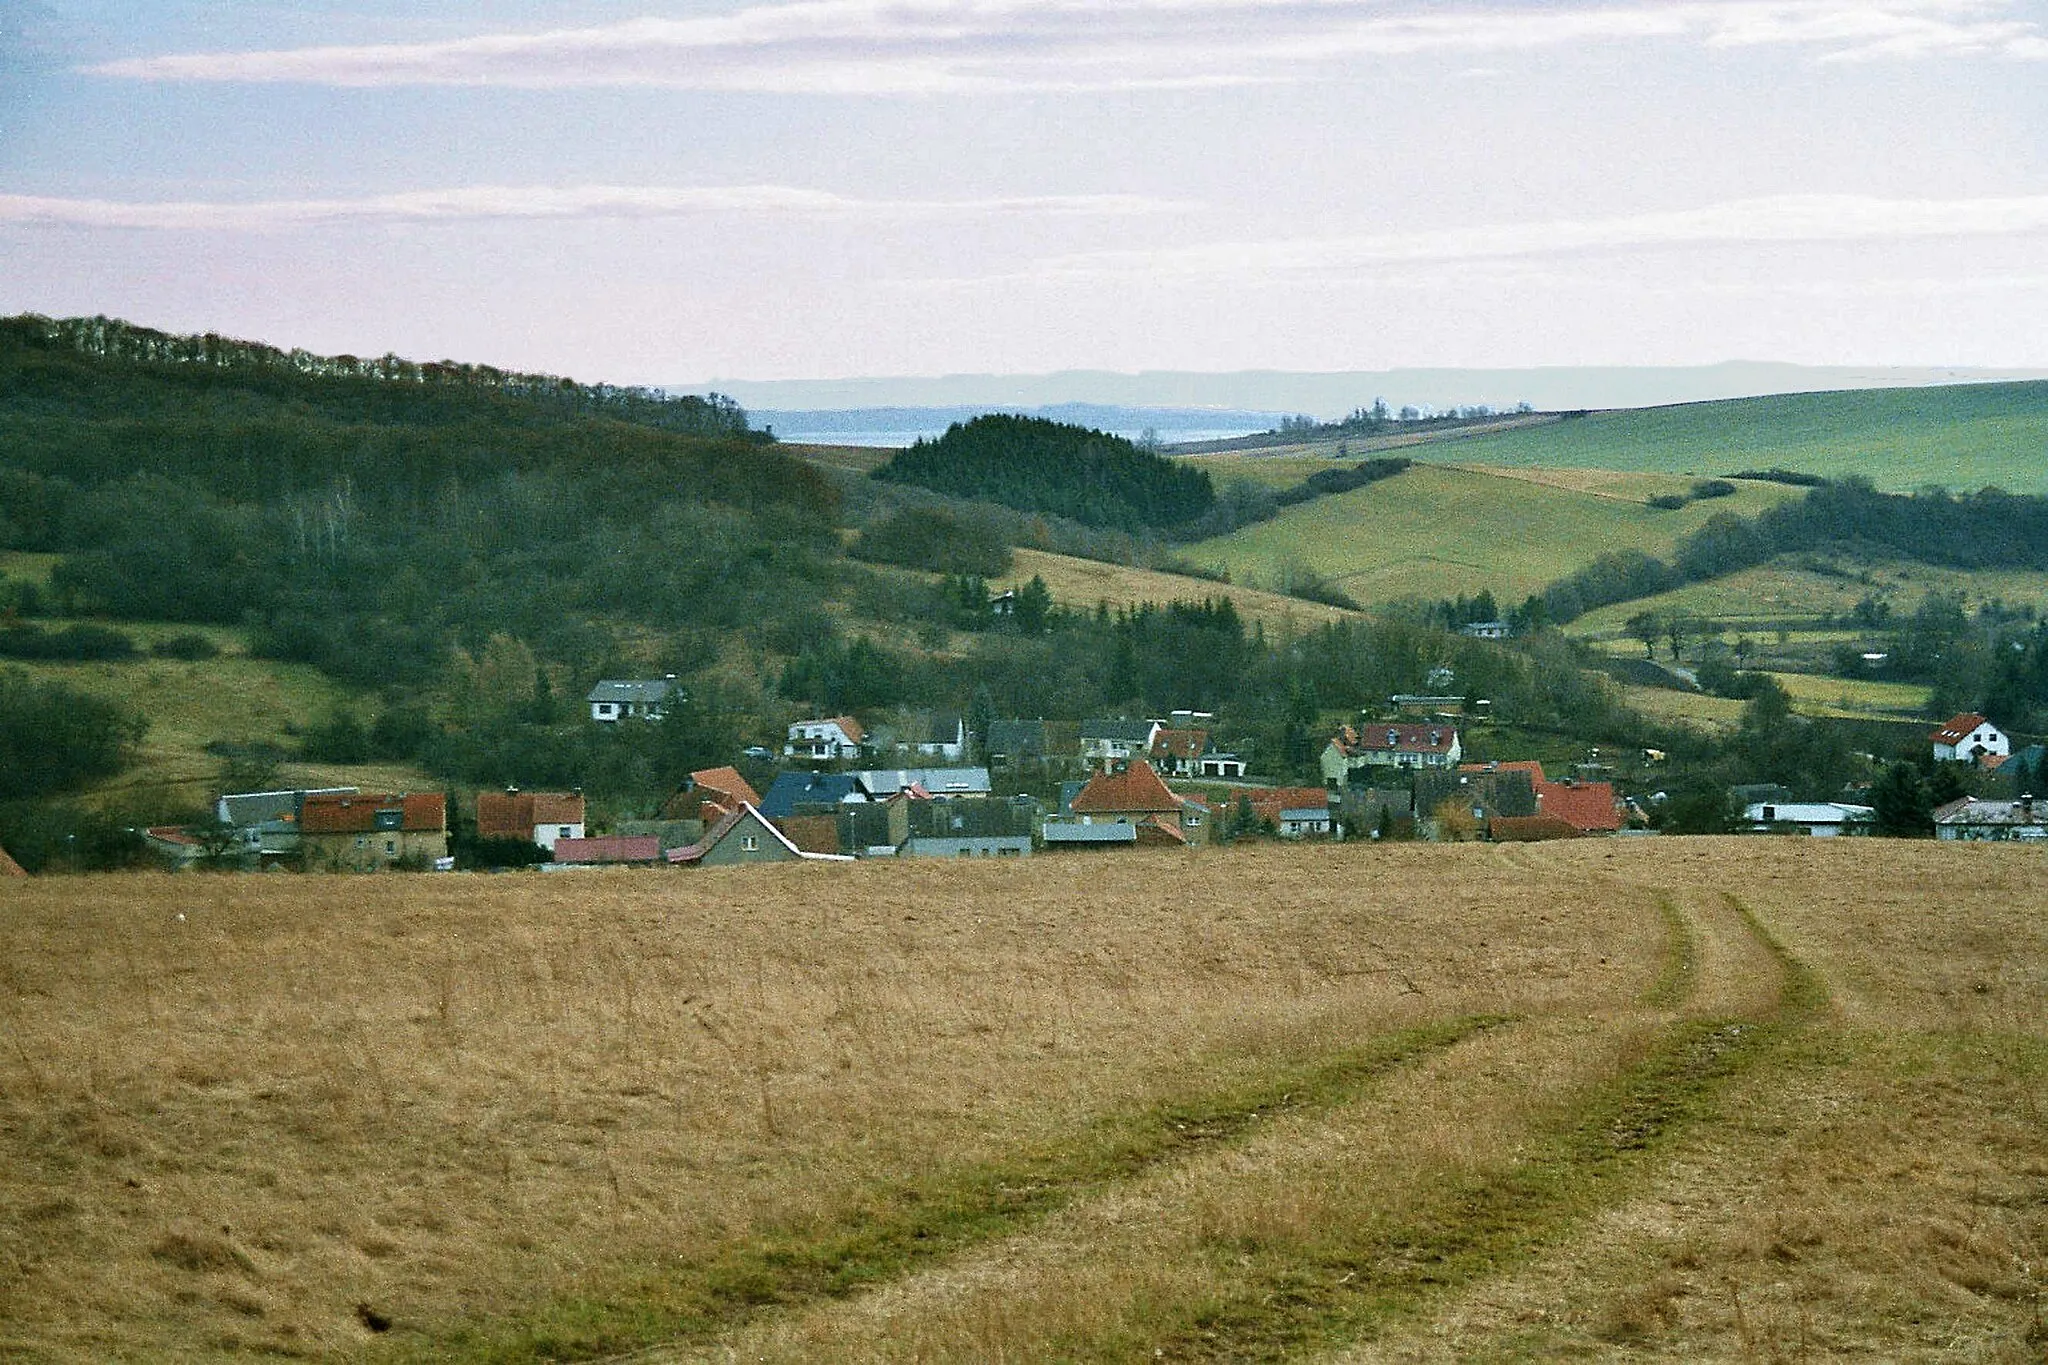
(468, 550)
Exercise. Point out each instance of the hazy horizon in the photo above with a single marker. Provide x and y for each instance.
(786, 188)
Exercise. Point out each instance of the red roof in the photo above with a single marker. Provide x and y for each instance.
(1396, 737)
(357, 812)
(725, 786)
(1136, 789)
(1959, 729)
(513, 815)
(1586, 806)
(1268, 804)
(616, 848)
(9, 867)
(171, 834)
(1519, 765)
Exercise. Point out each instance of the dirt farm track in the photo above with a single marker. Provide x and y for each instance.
(1683, 1099)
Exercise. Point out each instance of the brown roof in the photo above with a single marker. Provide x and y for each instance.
(812, 833)
(9, 867)
(513, 815)
(1267, 804)
(1180, 744)
(1518, 765)
(357, 812)
(1396, 737)
(615, 848)
(1959, 729)
(1136, 788)
(725, 786)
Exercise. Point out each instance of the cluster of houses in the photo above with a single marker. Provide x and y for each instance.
(1381, 779)
(1968, 739)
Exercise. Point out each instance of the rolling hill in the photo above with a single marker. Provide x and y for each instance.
(1438, 530)
(1962, 437)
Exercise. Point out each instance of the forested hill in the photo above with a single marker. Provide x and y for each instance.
(148, 372)
(363, 515)
(1038, 465)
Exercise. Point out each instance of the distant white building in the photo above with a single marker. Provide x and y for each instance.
(1970, 738)
(616, 699)
(1822, 819)
(830, 737)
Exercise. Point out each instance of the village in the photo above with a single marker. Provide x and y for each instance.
(1031, 787)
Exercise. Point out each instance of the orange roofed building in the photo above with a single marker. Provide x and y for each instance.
(365, 831)
(1587, 807)
(1138, 796)
(542, 818)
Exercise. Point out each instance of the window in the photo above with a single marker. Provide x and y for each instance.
(562, 832)
(390, 846)
(750, 843)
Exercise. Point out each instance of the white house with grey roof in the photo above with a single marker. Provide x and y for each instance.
(617, 699)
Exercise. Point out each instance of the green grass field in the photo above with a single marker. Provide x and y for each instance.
(1965, 436)
(1437, 531)
(191, 704)
(1785, 590)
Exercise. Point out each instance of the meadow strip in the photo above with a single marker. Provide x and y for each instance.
(900, 1226)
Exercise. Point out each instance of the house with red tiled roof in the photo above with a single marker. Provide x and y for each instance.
(1969, 738)
(826, 739)
(709, 795)
(1388, 744)
(1588, 807)
(1136, 795)
(543, 818)
(1294, 812)
(366, 831)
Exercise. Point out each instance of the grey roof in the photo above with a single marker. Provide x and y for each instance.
(1016, 738)
(1971, 810)
(642, 692)
(973, 817)
(1057, 833)
(938, 781)
(1121, 729)
(247, 810)
(790, 790)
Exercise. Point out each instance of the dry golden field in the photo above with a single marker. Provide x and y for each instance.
(1654, 1099)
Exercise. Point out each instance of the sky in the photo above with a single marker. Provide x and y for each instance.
(682, 191)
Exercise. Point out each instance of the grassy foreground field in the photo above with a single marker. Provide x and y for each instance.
(1704, 1099)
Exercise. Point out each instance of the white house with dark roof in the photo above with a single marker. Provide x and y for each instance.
(617, 699)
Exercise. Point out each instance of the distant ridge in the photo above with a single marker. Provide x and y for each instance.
(1335, 394)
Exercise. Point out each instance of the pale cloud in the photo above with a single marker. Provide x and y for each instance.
(472, 203)
(1781, 220)
(939, 46)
